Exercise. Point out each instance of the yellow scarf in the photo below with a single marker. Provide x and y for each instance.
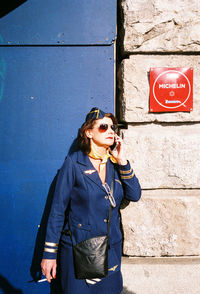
(104, 158)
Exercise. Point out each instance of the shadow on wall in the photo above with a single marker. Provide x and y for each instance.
(35, 269)
(7, 288)
(9, 5)
(126, 291)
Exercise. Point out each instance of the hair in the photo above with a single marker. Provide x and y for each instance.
(82, 139)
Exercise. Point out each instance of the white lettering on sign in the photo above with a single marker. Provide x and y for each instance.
(172, 101)
(169, 86)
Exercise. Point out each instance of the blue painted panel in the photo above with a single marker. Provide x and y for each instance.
(45, 93)
(60, 22)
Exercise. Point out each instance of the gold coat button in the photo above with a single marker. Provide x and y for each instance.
(79, 225)
(105, 220)
(106, 197)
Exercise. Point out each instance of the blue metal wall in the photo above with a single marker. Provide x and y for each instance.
(56, 62)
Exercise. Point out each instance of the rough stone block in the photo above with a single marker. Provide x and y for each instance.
(133, 77)
(161, 26)
(164, 156)
(163, 223)
(161, 275)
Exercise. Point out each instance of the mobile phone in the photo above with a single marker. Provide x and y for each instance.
(114, 146)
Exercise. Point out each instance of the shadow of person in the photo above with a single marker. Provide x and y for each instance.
(7, 288)
(126, 291)
(35, 269)
(123, 205)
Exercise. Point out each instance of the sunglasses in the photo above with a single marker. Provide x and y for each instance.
(104, 127)
(110, 195)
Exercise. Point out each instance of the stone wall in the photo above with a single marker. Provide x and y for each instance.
(161, 26)
(164, 148)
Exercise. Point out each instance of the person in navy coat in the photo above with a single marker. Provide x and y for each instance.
(82, 198)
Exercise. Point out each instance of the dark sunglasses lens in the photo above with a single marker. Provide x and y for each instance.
(114, 128)
(103, 128)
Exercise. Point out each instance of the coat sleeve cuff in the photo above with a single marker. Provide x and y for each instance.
(50, 250)
(126, 172)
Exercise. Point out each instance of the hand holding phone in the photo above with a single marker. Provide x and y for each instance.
(117, 150)
(114, 146)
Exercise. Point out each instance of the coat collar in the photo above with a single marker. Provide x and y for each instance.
(91, 173)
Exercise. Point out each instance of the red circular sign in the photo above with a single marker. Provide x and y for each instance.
(171, 89)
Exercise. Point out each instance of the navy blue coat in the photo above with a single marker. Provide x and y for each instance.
(79, 188)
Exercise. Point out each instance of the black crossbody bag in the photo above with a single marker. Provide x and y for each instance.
(91, 255)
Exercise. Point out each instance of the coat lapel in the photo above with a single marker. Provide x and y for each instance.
(109, 172)
(88, 169)
(91, 173)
